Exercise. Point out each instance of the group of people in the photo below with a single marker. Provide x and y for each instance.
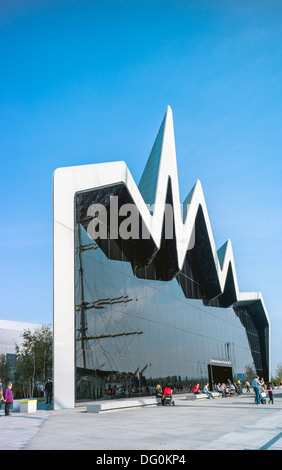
(230, 388)
(6, 397)
(259, 387)
(224, 389)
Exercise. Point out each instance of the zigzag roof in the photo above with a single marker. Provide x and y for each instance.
(162, 167)
(159, 176)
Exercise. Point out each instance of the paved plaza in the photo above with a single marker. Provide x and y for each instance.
(234, 423)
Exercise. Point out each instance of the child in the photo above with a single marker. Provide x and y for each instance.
(270, 394)
(8, 399)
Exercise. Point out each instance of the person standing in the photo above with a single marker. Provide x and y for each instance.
(8, 398)
(1, 394)
(248, 386)
(256, 386)
(49, 391)
(270, 394)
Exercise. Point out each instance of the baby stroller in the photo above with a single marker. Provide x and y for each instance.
(167, 397)
(230, 392)
(263, 394)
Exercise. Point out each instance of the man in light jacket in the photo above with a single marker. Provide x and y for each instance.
(256, 386)
(207, 392)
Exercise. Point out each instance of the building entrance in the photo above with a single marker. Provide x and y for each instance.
(219, 374)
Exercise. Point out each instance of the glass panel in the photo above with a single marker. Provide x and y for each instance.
(133, 332)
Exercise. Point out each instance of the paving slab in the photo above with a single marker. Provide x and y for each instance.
(234, 423)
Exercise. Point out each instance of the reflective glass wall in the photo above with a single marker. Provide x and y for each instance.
(133, 333)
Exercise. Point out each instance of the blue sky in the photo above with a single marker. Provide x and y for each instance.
(89, 81)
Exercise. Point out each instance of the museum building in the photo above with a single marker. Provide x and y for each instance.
(141, 294)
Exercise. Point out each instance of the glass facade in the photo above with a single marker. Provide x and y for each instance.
(135, 327)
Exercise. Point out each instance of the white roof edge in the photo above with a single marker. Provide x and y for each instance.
(79, 178)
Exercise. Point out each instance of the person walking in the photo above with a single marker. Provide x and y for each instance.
(256, 384)
(8, 398)
(247, 383)
(239, 385)
(236, 389)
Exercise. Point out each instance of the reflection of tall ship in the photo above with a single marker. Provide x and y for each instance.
(94, 378)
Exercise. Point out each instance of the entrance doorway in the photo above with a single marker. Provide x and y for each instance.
(219, 374)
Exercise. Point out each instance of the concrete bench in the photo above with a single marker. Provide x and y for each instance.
(201, 396)
(16, 405)
(28, 406)
(119, 404)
